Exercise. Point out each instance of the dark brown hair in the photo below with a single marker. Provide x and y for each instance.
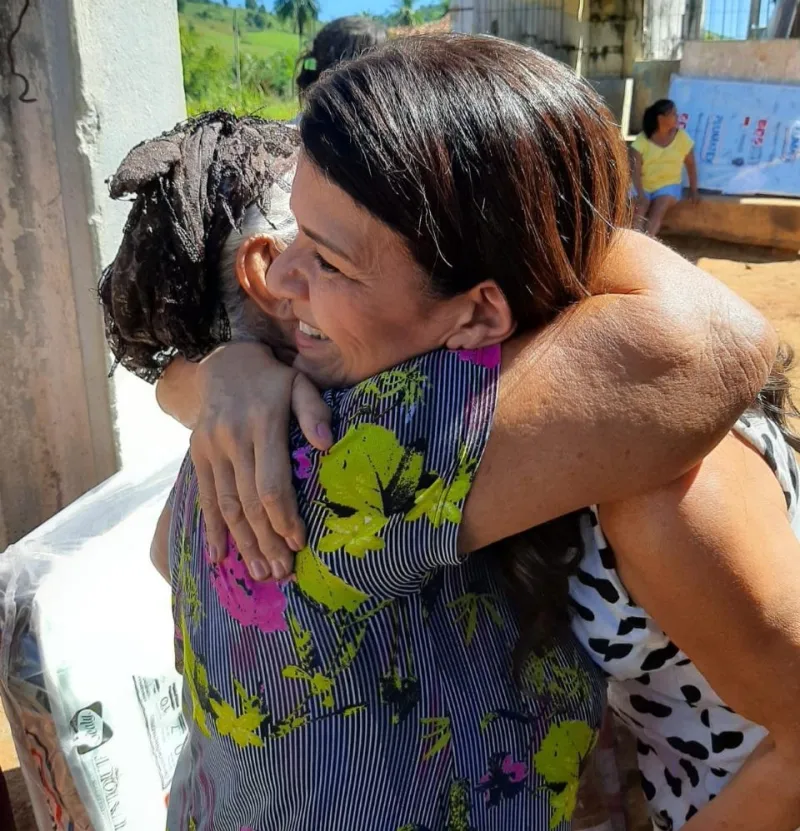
(491, 161)
(651, 115)
(340, 40)
(191, 187)
(775, 400)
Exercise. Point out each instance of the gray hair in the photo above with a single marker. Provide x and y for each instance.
(247, 321)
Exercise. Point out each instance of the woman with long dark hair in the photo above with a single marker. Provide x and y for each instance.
(427, 218)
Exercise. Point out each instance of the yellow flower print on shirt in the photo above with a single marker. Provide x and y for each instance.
(241, 728)
(409, 384)
(206, 701)
(196, 678)
(367, 477)
(440, 504)
(559, 760)
(320, 584)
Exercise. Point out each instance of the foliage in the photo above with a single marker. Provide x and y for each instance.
(272, 76)
(258, 20)
(406, 13)
(268, 54)
(300, 12)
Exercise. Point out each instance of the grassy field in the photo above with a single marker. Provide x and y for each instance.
(214, 24)
(209, 27)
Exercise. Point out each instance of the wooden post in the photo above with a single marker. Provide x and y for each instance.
(237, 57)
(755, 14)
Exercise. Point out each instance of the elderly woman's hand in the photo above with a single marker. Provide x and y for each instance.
(242, 398)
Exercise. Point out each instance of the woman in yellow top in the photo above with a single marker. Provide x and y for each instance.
(659, 153)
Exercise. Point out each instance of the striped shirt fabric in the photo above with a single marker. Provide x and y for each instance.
(374, 691)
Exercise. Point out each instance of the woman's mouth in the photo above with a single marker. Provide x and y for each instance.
(305, 331)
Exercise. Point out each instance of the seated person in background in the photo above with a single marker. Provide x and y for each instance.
(659, 153)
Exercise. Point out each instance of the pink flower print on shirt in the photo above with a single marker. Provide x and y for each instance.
(516, 771)
(302, 464)
(487, 356)
(249, 602)
(504, 779)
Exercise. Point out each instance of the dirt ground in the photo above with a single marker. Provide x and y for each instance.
(770, 280)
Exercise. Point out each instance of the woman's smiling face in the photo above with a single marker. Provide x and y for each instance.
(362, 303)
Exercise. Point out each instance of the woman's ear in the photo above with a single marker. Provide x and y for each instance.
(253, 259)
(487, 319)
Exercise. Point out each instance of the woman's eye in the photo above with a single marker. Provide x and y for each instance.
(325, 265)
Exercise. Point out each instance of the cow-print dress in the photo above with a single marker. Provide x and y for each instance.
(689, 743)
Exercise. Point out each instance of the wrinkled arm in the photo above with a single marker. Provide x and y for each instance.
(177, 392)
(713, 559)
(625, 392)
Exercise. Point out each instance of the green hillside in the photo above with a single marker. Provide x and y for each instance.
(268, 51)
(214, 23)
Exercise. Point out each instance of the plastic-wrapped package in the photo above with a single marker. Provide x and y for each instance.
(87, 669)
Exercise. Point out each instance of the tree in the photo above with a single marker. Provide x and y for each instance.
(300, 12)
(256, 20)
(406, 14)
(250, 4)
(181, 5)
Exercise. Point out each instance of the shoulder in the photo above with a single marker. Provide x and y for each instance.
(685, 141)
(640, 143)
(441, 381)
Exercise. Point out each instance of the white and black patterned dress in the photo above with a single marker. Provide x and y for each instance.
(690, 743)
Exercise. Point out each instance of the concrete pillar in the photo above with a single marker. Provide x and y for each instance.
(693, 20)
(462, 16)
(102, 75)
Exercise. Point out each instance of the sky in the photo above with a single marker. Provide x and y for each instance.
(331, 9)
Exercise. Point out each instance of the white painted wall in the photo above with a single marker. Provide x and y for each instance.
(105, 74)
(129, 88)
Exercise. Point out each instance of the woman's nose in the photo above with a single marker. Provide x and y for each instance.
(285, 277)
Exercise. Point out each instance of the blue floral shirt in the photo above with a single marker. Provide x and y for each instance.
(374, 691)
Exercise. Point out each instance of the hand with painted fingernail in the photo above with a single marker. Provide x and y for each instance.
(240, 450)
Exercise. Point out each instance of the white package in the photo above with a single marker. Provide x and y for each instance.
(87, 668)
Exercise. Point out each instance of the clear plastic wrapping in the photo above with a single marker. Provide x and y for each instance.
(87, 673)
